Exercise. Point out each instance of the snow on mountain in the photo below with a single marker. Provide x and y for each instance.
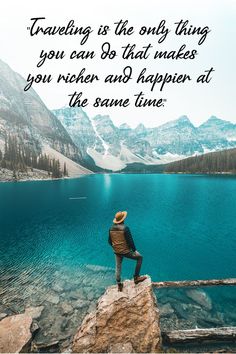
(113, 148)
(128, 156)
(108, 133)
(104, 144)
(107, 162)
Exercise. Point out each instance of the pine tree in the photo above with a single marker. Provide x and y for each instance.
(65, 172)
(19, 156)
(56, 169)
(5, 148)
(14, 174)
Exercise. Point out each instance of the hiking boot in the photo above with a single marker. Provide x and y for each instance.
(120, 286)
(139, 279)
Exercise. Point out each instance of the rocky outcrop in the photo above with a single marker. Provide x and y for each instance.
(15, 333)
(126, 321)
(24, 115)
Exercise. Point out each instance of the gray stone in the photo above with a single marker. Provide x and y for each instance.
(80, 304)
(179, 310)
(34, 327)
(58, 288)
(53, 298)
(64, 324)
(92, 306)
(3, 315)
(200, 297)
(66, 308)
(205, 318)
(77, 294)
(34, 312)
(90, 295)
(45, 347)
(166, 310)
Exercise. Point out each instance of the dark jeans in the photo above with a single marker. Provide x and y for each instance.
(136, 256)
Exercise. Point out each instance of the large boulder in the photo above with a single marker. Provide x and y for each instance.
(126, 321)
(15, 333)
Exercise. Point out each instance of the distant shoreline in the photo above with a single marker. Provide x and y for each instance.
(37, 178)
(36, 175)
(34, 179)
(199, 173)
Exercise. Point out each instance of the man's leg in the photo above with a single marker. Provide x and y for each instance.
(118, 258)
(139, 258)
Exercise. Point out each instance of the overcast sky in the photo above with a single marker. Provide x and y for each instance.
(198, 102)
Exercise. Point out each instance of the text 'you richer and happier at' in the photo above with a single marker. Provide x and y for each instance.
(146, 80)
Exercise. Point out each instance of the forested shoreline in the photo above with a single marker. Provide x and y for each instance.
(21, 158)
(214, 162)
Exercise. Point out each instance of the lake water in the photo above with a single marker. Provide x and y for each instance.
(54, 248)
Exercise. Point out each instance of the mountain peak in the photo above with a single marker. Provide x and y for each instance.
(140, 127)
(71, 110)
(213, 120)
(124, 126)
(183, 119)
(99, 118)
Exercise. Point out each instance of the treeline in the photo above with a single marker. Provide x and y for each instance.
(137, 167)
(19, 156)
(213, 162)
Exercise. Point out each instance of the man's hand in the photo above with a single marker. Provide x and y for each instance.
(136, 253)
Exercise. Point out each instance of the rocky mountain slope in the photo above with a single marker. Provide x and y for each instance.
(24, 115)
(115, 148)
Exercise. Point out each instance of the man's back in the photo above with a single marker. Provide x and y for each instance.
(120, 239)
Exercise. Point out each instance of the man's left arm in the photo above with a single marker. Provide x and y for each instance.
(109, 239)
(129, 239)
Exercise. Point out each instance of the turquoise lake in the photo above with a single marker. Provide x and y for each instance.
(54, 239)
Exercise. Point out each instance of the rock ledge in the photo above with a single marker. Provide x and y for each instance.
(126, 321)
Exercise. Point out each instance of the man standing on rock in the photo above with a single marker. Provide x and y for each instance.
(121, 240)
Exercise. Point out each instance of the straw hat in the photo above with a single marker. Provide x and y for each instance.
(120, 217)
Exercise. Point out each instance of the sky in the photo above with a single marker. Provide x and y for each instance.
(198, 101)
